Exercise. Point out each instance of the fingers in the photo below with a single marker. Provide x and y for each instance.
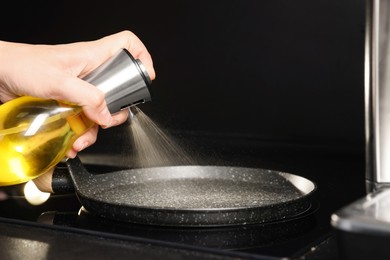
(119, 118)
(138, 50)
(111, 44)
(89, 98)
(83, 142)
(92, 99)
(90, 137)
(71, 153)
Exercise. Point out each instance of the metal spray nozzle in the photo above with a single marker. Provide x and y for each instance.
(123, 79)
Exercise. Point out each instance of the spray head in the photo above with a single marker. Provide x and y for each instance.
(123, 79)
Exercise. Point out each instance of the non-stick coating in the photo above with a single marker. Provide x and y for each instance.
(192, 195)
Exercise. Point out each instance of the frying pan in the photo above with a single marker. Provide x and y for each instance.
(191, 195)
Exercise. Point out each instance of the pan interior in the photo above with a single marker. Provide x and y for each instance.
(198, 188)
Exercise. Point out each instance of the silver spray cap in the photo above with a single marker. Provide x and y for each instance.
(124, 81)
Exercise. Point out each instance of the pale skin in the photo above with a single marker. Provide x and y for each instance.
(56, 72)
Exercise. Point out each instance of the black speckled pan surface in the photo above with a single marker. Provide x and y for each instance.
(192, 195)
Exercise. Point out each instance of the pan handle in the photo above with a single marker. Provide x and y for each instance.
(69, 177)
(61, 182)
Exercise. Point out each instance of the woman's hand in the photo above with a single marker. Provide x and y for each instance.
(56, 72)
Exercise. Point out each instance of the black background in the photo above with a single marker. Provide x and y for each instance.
(275, 70)
(278, 71)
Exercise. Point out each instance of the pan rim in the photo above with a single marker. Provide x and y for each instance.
(287, 175)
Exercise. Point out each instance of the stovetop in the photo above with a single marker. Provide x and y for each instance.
(338, 174)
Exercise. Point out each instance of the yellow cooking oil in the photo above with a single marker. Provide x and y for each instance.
(35, 135)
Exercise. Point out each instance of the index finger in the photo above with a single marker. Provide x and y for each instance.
(110, 45)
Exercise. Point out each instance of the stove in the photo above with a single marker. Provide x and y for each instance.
(338, 174)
